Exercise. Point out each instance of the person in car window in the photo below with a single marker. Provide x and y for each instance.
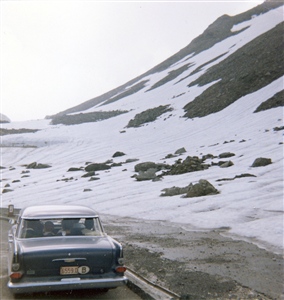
(48, 228)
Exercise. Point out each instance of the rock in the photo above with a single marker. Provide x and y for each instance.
(245, 175)
(190, 164)
(170, 156)
(74, 169)
(118, 153)
(227, 164)
(89, 174)
(32, 165)
(87, 190)
(173, 191)
(261, 162)
(6, 191)
(116, 164)
(97, 167)
(226, 155)
(149, 174)
(202, 188)
(145, 166)
(36, 165)
(94, 178)
(180, 151)
(208, 156)
(130, 160)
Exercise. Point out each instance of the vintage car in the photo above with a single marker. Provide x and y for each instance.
(62, 247)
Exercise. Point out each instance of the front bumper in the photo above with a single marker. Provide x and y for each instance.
(66, 284)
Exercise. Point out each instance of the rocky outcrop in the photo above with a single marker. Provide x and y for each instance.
(85, 117)
(148, 115)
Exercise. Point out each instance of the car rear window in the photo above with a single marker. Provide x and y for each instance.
(60, 227)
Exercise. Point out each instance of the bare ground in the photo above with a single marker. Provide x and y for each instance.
(198, 264)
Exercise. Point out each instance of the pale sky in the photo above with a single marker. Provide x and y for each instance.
(58, 54)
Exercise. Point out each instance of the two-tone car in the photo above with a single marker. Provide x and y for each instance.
(62, 247)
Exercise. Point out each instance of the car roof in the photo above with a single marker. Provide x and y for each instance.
(57, 211)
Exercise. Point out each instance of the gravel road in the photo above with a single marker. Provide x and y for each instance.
(198, 264)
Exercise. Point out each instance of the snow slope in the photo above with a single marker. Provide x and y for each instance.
(251, 207)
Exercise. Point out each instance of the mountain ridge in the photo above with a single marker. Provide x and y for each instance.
(216, 32)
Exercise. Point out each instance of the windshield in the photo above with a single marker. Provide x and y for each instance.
(60, 227)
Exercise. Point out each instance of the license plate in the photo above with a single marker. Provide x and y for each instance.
(68, 270)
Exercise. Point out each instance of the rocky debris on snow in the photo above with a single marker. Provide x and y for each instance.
(144, 166)
(130, 160)
(147, 170)
(173, 191)
(85, 117)
(226, 164)
(261, 162)
(180, 151)
(202, 188)
(97, 167)
(94, 178)
(89, 174)
(7, 191)
(4, 131)
(177, 153)
(237, 176)
(73, 169)
(149, 174)
(36, 165)
(148, 115)
(118, 153)
(189, 164)
(226, 155)
(66, 179)
(278, 128)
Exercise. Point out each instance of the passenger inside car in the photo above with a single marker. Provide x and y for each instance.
(67, 225)
(48, 229)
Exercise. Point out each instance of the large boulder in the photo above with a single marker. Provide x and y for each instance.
(97, 167)
(144, 166)
(261, 162)
(149, 174)
(202, 188)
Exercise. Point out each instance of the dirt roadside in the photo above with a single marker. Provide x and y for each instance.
(197, 264)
